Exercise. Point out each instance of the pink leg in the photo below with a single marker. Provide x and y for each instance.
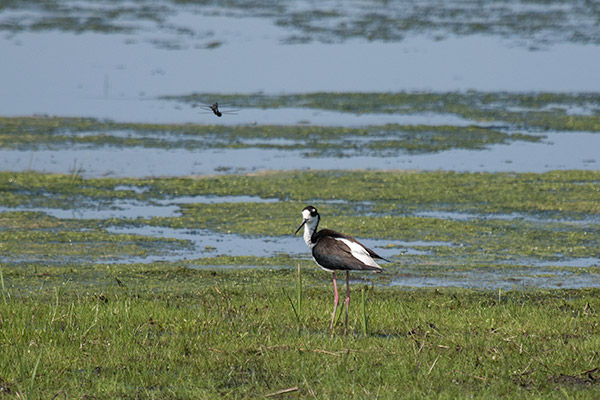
(347, 299)
(336, 300)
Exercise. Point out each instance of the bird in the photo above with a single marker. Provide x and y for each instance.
(334, 251)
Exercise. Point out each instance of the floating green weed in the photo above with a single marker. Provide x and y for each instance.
(507, 216)
(556, 194)
(536, 25)
(29, 133)
(531, 111)
(27, 236)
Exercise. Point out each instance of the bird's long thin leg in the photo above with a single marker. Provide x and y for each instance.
(336, 300)
(347, 300)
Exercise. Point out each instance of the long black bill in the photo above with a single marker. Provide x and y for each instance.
(300, 227)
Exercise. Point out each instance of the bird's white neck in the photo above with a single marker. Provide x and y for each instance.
(309, 228)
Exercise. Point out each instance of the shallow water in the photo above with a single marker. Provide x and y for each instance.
(498, 278)
(573, 150)
(317, 117)
(107, 76)
(575, 262)
(187, 49)
(134, 209)
(118, 209)
(465, 216)
(206, 243)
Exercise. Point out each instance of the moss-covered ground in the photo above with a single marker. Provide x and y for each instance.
(532, 111)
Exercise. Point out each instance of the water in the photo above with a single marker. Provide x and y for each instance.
(497, 278)
(134, 209)
(301, 116)
(216, 199)
(189, 49)
(118, 209)
(465, 216)
(206, 243)
(109, 76)
(574, 262)
(574, 150)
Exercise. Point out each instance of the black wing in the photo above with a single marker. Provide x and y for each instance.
(329, 232)
(334, 254)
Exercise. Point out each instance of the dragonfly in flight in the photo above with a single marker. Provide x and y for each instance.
(214, 109)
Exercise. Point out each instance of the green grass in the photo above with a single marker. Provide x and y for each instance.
(175, 333)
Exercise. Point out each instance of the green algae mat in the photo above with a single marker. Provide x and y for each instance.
(79, 318)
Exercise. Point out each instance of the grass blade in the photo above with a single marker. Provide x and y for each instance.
(33, 373)
(292, 304)
(299, 295)
(364, 311)
(2, 286)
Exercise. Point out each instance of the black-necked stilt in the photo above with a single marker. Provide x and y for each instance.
(215, 110)
(334, 251)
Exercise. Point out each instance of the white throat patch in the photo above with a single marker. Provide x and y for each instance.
(309, 227)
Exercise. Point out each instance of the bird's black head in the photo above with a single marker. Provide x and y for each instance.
(310, 216)
(311, 211)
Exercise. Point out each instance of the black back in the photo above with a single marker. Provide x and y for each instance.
(334, 254)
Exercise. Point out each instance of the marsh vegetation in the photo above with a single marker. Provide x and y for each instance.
(147, 250)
